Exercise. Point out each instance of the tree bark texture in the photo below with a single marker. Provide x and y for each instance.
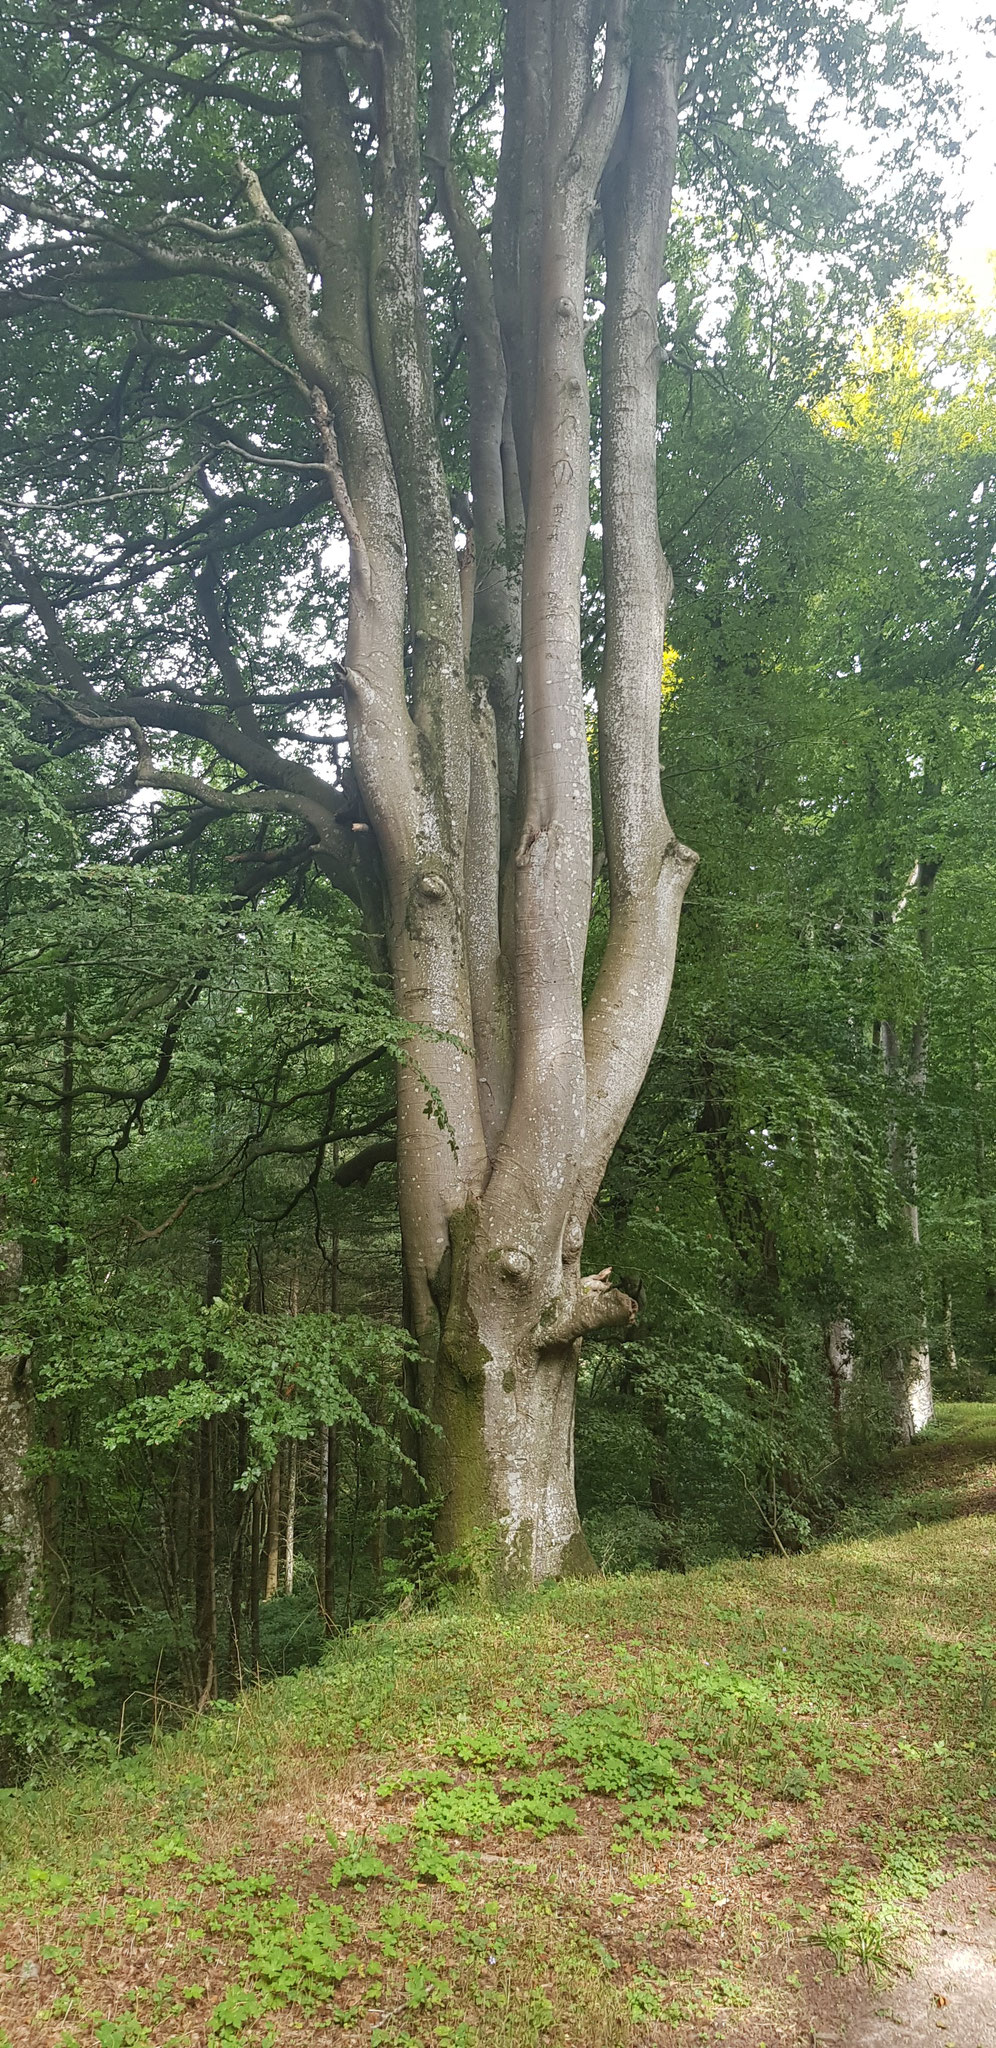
(20, 1528)
(21, 1547)
(469, 717)
(906, 1073)
(20, 1533)
(838, 1344)
(272, 1580)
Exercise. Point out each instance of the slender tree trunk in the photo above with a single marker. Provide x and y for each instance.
(236, 1580)
(330, 1505)
(255, 1560)
(839, 1347)
(321, 1533)
(205, 1558)
(273, 1531)
(20, 1533)
(291, 1511)
(20, 1529)
(205, 1598)
(907, 1076)
(911, 1369)
(57, 1589)
(950, 1349)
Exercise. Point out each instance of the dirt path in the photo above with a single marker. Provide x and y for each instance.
(950, 1994)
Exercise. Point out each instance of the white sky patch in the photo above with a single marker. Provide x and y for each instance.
(953, 27)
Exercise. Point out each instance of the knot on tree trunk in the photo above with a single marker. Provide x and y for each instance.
(594, 1305)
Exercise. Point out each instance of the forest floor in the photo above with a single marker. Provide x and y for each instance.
(752, 1805)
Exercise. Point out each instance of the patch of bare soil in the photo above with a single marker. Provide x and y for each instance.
(948, 1994)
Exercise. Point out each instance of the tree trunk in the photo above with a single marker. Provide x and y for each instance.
(236, 1576)
(205, 1550)
(321, 1534)
(839, 1346)
(329, 1505)
(503, 1403)
(913, 1391)
(20, 1534)
(255, 1559)
(950, 1349)
(273, 1531)
(907, 1075)
(205, 1597)
(493, 1255)
(291, 1511)
(20, 1528)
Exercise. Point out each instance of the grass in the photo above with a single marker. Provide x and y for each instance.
(623, 1812)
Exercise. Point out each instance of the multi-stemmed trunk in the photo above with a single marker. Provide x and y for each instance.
(467, 831)
(475, 775)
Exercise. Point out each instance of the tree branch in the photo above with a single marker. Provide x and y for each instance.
(648, 870)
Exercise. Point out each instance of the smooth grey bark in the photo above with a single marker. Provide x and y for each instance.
(906, 1073)
(290, 1516)
(950, 1347)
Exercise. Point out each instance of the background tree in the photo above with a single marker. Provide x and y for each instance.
(829, 717)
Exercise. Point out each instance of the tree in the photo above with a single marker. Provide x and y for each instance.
(165, 1197)
(912, 620)
(828, 724)
(241, 237)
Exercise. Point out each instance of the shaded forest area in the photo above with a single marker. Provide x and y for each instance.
(211, 1449)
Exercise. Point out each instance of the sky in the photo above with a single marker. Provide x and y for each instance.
(950, 25)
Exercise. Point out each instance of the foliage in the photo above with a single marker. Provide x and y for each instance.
(827, 706)
(42, 1691)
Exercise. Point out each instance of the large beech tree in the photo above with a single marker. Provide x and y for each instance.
(354, 269)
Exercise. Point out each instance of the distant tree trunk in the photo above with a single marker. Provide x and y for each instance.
(907, 1075)
(330, 1506)
(321, 1533)
(255, 1550)
(914, 1399)
(839, 1346)
(205, 1562)
(20, 1530)
(205, 1600)
(950, 1349)
(57, 1587)
(325, 1566)
(236, 1582)
(291, 1510)
(273, 1532)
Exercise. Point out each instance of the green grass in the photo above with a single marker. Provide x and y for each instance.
(622, 1812)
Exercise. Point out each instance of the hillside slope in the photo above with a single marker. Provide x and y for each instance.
(624, 1812)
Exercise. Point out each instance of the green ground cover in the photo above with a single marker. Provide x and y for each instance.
(622, 1812)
